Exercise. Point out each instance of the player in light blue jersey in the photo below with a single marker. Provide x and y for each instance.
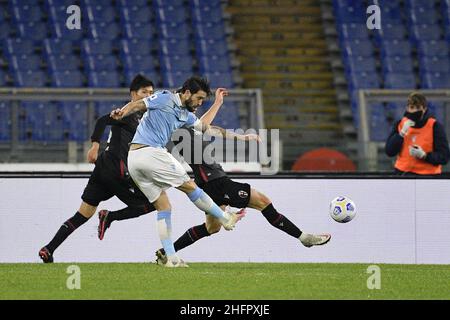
(154, 169)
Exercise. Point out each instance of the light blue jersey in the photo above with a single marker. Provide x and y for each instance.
(164, 115)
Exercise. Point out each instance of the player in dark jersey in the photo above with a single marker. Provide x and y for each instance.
(210, 176)
(110, 176)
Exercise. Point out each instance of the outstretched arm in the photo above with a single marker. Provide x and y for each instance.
(228, 134)
(129, 108)
(209, 115)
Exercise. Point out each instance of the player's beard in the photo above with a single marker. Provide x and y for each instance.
(189, 105)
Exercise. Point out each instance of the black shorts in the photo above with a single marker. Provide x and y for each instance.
(112, 179)
(225, 191)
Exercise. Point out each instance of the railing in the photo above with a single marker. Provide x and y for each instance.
(249, 101)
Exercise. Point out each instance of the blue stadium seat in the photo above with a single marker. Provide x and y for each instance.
(228, 117)
(179, 31)
(138, 30)
(398, 64)
(420, 3)
(63, 62)
(100, 62)
(422, 15)
(437, 109)
(5, 30)
(25, 62)
(379, 127)
(423, 32)
(174, 47)
(353, 31)
(165, 3)
(362, 80)
(41, 122)
(33, 30)
(130, 14)
(138, 63)
(127, 3)
(2, 78)
(174, 79)
(18, 46)
(96, 46)
(150, 74)
(396, 48)
(433, 48)
(74, 116)
(360, 64)
(59, 30)
(104, 30)
(210, 30)
(30, 78)
(3, 13)
(219, 79)
(435, 80)
(135, 46)
(399, 81)
(171, 14)
(434, 64)
(26, 12)
(104, 79)
(390, 11)
(357, 47)
(175, 63)
(101, 3)
(67, 79)
(5, 121)
(211, 46)
(391, 31)
(58, 46)
(349, 12)
(99, 13)
(206, 13)
(214, 64)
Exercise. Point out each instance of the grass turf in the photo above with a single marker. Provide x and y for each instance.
(223, 281)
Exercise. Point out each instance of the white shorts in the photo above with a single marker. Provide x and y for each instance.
(155, 170)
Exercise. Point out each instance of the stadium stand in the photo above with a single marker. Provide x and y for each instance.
(410, 51)
(167, 41)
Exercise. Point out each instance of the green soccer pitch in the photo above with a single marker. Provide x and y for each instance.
(223, 281)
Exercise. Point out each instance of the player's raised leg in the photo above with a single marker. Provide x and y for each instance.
(206, 204)
(81, 216)
(262, 203)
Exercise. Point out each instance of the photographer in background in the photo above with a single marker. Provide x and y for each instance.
(418, 140)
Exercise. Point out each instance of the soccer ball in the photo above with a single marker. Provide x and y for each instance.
(342, 209)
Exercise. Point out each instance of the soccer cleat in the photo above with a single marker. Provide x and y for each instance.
(309, 240)
(161, 258)
(45, 255)
(103, 223)
(233, 219)
(175, 262)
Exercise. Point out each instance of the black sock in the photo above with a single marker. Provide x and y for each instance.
(65, 230)
(190, 236)
(127, 213)
(281, 222)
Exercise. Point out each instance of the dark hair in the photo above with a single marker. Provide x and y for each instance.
(139, 82)
(417, 99)
(195, 84)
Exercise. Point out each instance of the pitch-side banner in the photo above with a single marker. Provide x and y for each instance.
(397, 221)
